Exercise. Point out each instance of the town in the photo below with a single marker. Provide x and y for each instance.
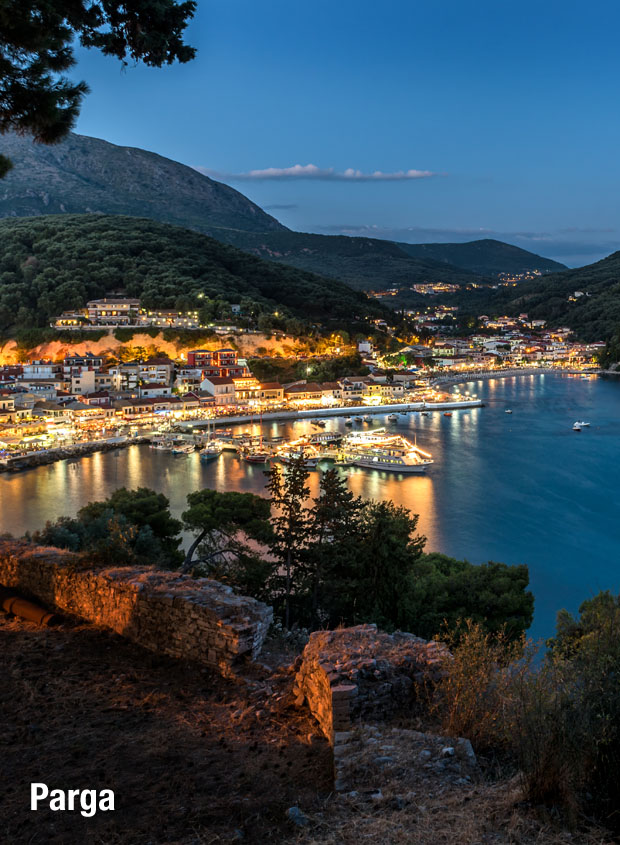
(95, 397)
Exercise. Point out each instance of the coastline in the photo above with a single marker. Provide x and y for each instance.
(481, 375)
(83, 449)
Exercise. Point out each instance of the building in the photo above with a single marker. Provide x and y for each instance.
(222, 388)
(112, 312)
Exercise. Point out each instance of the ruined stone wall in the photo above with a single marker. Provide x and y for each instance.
(193, 618)
(360, 673)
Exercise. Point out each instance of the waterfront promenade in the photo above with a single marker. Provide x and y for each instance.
(324, 413)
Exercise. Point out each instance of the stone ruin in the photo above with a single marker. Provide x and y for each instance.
(355, 680)
(177, 615)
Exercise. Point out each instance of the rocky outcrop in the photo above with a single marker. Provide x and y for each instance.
(192, 618)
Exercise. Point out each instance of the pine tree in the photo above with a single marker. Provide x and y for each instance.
(290, 523)
(37, 40)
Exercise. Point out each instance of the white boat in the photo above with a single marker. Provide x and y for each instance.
(367, 418)
(348, 421)
(211, 451)
(310, 462)
(582, 424)
(383, 451)
(392, 417)
(576, 427)
(508, 411)
(162, 446)
(182, 448)
(325, 437)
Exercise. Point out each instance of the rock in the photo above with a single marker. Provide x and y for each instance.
(298, 818)
(381, 761)
(299, 700)
(424, 755)
(448, 751)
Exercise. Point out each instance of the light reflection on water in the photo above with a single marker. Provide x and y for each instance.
(520, 488)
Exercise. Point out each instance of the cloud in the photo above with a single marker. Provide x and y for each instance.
(318, 174)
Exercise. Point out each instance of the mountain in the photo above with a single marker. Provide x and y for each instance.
(593, 316)
(49, 264)
(363, 263)
(86, 175)
(486, 256)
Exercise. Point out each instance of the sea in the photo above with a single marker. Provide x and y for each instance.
(518, 488)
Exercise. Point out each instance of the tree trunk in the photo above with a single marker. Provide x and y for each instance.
(187, 563)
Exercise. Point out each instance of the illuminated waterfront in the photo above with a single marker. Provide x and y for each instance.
(519, 488)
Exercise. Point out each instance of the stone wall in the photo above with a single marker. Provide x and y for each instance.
(193, 618)
(361, 673)
(354, 679)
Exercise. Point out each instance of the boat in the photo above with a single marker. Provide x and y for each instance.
(161, 446)
(583, 424)
(425, 413)
(211, 451)
(309, 462)
(392, 417)
(383, 451)
(447, 413)
(319, 423)
(508, 411)
(182, 448)
(348, 421)
(257, 457)
(321, 438)
(358, 420)
(367, 418)
(576, 427)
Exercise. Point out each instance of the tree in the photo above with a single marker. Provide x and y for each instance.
(222, 524)
(130, 527)
(37, 40)
(334, 518)
(387, 548)
(290, 524)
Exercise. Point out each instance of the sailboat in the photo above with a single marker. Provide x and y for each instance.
(211, 450)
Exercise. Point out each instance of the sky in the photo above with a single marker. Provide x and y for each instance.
(414, 120)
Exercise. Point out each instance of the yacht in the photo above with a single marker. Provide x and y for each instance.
(379, 450)
(367, 418)
(508, 411)
(392, 417)
(576, 426)
(583, 424)
(325, 438)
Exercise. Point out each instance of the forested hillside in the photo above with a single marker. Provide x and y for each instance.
(593, 316)
(50, 264)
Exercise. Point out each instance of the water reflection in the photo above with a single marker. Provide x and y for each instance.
(520, 488)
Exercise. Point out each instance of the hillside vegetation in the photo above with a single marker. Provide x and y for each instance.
(51, 264)
(593, 317)
(486, 256)
(85, 175)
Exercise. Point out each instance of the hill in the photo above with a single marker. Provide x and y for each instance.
(50, 264)
(486, 256)
(363, 263)
(86, 175)
(593, 316)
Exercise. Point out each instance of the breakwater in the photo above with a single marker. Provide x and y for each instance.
(13, 463)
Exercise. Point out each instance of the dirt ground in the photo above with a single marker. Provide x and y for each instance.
(194, 759)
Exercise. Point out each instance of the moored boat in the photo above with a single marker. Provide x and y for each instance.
(348, 421)
(211, 451)
(392, 417)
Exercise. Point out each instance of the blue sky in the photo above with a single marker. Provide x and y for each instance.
(511, 107)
